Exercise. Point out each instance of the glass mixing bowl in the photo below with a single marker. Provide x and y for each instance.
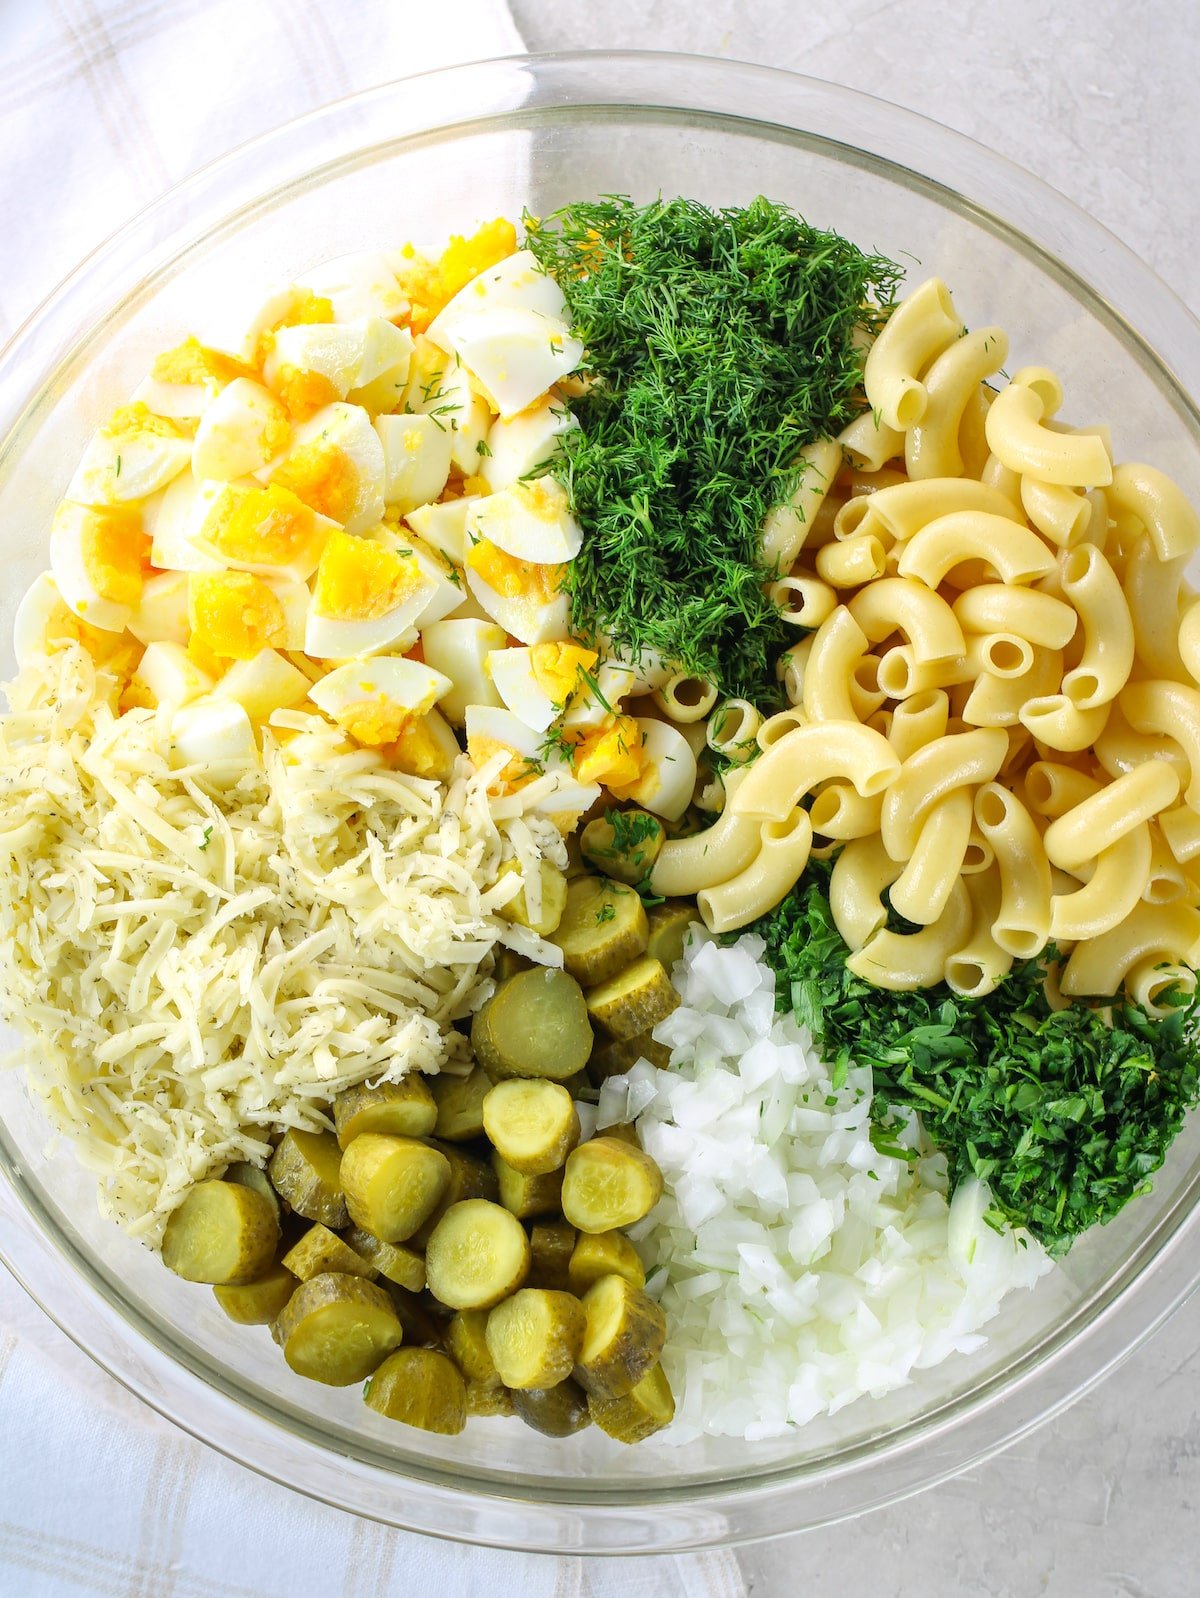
(415, 160)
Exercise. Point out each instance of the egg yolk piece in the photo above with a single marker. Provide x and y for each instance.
(193, 362)
(465, 258)
(612, 755)
(512, 578)
(235, 614)
(558, 669)
(323, 476)
(361, 581)
(268, 527)
(115, 553)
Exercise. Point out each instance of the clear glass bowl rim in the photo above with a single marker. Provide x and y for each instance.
(1154, 1281)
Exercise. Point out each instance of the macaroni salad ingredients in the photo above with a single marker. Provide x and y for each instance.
(799, 1267)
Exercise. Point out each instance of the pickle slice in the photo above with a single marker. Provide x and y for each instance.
(535, 1024)
(638, 1414)
(421, 1388)
(305, 1171)
(623, 1338)
(669, 923)
(392, 1184)
(257, 1303)
(532, 1124)
(634, 1001)
(397, 1109)
(489, 1399)
(609, 1183)
(558, 1411)
(459, 1102)
(551, 1244)
(221, 1233)
(321, 1250)
(336, 1328)
(626, 851)
(399, 1264)
(553, 901)
(524, 1194)
(247, 1175)
(477, 1255)
(466, 1343)
(535, 1337)
(470, 1178)
(600, 1254)
(603, 928)
(619, 1055)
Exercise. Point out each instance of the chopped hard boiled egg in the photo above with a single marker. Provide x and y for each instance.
(132, 456)
(444, 526)
(312, 365)
(183, 381)
(374, 699)
(167, 675)
(263, 684)
(599, 696)
(162, 612)
(531, 521)
(174, 518)
(43, 622)
(243, 429)
(268, 531)
(416, 456)
(538, 682)
(524, 443)
(234, 614)
(97, 557)
(515, 355)
(439, 385)
(426, 747)
(515, 283)
(358, 285)
(459, 649)
(612, 754)
(526, 599)
(667, 778)
(365, 598)
(450, 591)
(211, 731)
(498, 732)
(335, 465)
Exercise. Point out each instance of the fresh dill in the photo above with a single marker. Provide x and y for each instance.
(208, 832)
(720, 342)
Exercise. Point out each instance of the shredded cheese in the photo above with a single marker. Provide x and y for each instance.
(201, 957)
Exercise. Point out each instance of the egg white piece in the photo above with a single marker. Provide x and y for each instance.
(364, 696)
(41, 615)
(336, 629)
(242, 332)
(519, 445)
(332, 350)
(358, 285)
(591, 707)
(180, 402)
(530, 616)
(459, 649)
(516, 680)
(263, 685)
(385, 348)
(243, 429)
(210, 732)
(515, 283)
(530, 521)
(444, 526)
(295, 597)
(416, 455)
(516, 355)
(439, 385)
(668, 777)
(168, 675)
(125, 463)
(335, 464)
(491, 731)
(177, 517)
(162, 614)
(77, 582)
(450, 592)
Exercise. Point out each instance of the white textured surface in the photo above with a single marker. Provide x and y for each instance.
(1100, 98)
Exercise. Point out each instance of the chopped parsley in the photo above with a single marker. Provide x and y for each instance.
(720, 343)
(208, 832)
(605, 913)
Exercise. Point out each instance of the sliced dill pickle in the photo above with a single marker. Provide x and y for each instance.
(459, 1102)
(603, 928)
(466, 1343)
(532, 1124)
(551, 1244)
(470, 1177)
(553, 901)
(305, 1171)
(639, 1413)
(321, 1250)
(617, 1056)
(623, 844)
(623, 1337)
(399, 1264)
(392, 1184)
(259, 1302)
(609, 1183)
(535, 1024)
(527, 1195)
(634, 1001)
(509, 962)
(598, 1254)
(247, 1175)
(221, 1233)
(535, 1337)
(397, 1109)
(422, 1329)
(336, 1328)
(487, 1400)
(558, 1411)
(422, 1388)
(669, 923)
(477, 1255)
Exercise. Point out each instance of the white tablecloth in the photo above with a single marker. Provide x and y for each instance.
(103, 104)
